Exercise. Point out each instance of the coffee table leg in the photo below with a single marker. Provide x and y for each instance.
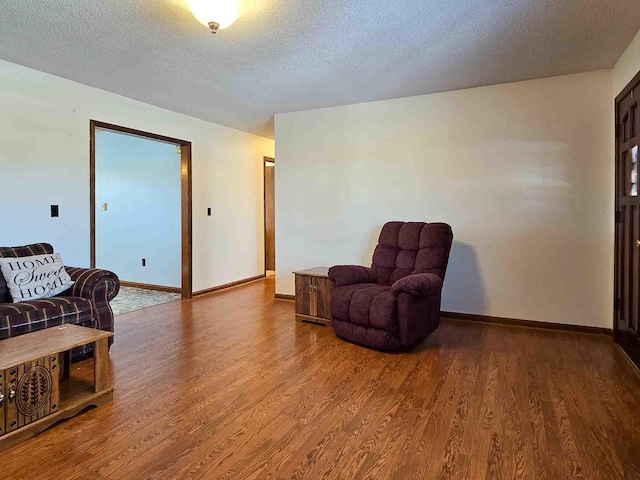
(101, 364)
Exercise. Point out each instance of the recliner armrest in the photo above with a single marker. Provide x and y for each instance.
(418, 284)
(88, 281)
(351, 274)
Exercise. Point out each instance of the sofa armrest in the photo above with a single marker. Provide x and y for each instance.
(418, 285)
(89, 280)
(351, 274)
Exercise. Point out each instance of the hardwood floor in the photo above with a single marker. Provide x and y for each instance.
(229, 386)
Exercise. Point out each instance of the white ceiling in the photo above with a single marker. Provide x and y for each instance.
(289, 55)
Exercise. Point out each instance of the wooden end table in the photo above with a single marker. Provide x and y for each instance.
(36, 389)
(313, 295)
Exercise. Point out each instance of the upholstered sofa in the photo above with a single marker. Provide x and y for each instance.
(396, 302)
(86, 303)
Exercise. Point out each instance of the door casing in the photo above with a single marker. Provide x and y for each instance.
(269, 216)
(626, 308)
(186, 196)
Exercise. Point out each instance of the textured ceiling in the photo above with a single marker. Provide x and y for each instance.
(289, 55)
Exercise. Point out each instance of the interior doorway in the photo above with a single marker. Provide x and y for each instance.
(269, 214)
(626, 329)
(140, 191)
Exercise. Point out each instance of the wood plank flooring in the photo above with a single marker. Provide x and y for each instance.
(229, 386)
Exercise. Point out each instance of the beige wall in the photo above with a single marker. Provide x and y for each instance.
(521, 171)
(627, 66)
(44, 159)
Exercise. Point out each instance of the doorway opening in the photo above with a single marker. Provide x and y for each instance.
(140, 218)
(269, 215)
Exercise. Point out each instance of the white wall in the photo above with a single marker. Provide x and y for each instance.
(44, 160)
(627, 67)
(521, 171)
(140, 181)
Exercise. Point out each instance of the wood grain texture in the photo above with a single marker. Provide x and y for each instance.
(92, 192)
(627, 227)
(269, 216)
(67, 409)
(322, 289)
(309, 318)
(314, 272)
(41, 399)
(229, 387)
(26, 348)
(100, 365)
(304, 296)
(283, 296)
(526, 323)
(148, 286)
(3, 394)
(313, 296)
(186, 195)
(229, 285)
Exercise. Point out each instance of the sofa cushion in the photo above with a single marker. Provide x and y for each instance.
(370, 337)
(341, 299)
(365, 304)
(411, 247)
(15, 252)
(20, 318)
(435, 244)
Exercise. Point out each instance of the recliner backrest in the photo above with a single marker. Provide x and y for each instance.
(405, 248)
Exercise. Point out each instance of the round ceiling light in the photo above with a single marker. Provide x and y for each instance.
(216, 14)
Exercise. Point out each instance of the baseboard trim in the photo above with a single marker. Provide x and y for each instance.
(514, 322)
(229, 285)
(149, 286)
(314, 320)
(282, 296)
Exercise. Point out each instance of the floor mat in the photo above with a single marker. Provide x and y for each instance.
(130, 299)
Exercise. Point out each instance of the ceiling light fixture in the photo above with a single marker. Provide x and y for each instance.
(216, 14)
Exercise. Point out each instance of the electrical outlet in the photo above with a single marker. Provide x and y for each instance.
(105, 206)
(55, 211)
(144, 262)
(209, 211)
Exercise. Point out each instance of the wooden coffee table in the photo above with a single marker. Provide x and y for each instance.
(36, 389)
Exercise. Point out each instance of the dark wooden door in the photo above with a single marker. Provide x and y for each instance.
(627, 235)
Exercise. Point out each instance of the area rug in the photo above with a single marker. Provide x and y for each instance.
(130, 299)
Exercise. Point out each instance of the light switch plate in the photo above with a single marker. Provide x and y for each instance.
(105, 206)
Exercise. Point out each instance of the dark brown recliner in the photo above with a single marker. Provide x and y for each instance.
(396, 302)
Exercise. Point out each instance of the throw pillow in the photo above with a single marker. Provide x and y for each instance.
(38, 276)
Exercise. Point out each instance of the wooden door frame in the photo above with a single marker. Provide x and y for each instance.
(264, 203)
(186, 196)
(617, 337)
